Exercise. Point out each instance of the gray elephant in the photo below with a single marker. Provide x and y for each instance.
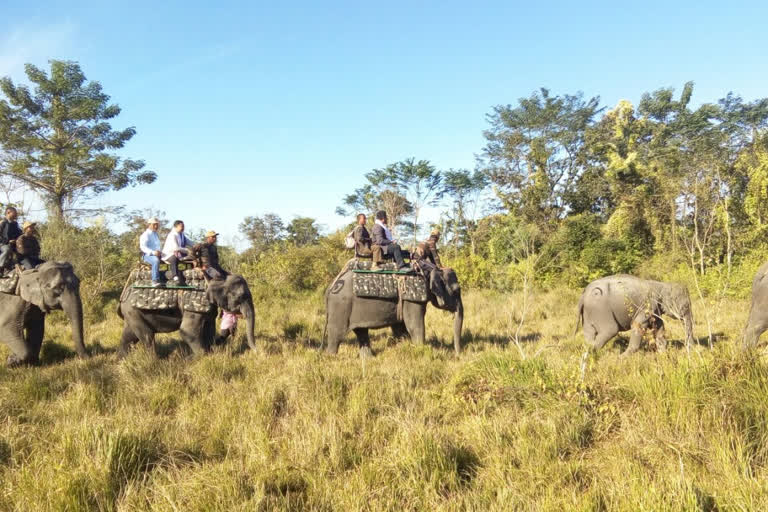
(346, 311)
(758, 311)
(622, 302)
(53, 285)
(197, 329)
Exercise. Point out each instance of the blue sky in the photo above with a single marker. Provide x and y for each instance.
(252, 107)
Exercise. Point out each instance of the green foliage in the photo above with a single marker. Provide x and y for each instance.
(303, 231)
(60, 138)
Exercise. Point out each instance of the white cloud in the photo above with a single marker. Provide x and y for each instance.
(35, 45)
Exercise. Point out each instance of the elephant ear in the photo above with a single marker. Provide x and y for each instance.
(217, 294)
(31, 290)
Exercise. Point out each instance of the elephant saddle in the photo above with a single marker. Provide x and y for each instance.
(139, 293)
(9, 281)
(388, 284)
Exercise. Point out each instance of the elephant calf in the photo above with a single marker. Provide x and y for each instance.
(758, 311)
(622, 302)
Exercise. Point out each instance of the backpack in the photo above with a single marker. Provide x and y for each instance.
(349, 240)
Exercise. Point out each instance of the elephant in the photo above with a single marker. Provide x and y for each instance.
(758, 311)
(623, 302)
(197, 329)
(345, 311)
(52, 285)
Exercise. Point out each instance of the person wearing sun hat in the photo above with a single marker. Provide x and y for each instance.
(151, 249)
(209, 257)
(28, 246)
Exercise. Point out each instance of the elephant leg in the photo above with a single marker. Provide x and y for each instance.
(756, 326)
(364, 341)
(20, 350)
(126, 340)
(193, 331)
(335, 335)
(635, 339)
(399, 331)
(34, 336)
(413, 317)
(659, 334)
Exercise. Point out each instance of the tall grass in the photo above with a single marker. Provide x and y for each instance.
(416, 428)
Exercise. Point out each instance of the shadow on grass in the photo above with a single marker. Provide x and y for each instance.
(500, 340)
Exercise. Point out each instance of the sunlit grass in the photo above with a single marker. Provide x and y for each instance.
(503, 426)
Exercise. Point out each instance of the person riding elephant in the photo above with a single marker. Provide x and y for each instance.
(362, 237)
(52, 285)
(28, 246)
(197, 329)
(426, 251)
(623, 302)
(209, 257)
(9, 232)
(383, 244)
(149, 244)
(177, 248)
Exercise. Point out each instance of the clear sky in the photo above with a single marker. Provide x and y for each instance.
(254, 107)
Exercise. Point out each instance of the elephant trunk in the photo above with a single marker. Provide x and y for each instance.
(73, 308)
(458, 322)
(249, 316)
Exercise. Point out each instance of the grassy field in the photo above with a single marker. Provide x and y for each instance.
(504, 426)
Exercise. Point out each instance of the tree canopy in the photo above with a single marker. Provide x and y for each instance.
(57, 137)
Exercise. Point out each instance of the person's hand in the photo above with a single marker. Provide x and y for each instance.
(158, 253)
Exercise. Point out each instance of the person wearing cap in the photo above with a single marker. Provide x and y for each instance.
(209, 257)
(149, 243)
(427, 250)
(177, 247)
(9, 232)
(28, 246)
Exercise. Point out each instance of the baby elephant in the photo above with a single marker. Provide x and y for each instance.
(758, 312)
(622, 302)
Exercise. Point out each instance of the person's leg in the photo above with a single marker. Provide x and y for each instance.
(5, 251)
(173, 263)
(398, 255)
(213, 273)
(154, 261)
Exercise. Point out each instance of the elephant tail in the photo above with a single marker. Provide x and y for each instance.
(580, 318)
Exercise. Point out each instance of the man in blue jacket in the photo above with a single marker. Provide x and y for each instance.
(382, 238)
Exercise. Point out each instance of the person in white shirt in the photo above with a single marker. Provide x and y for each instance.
(177, 247)
(149, 243)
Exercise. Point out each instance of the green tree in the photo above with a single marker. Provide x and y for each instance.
(535, 153)
(303, 231)
(465, 190)
(376, 195)
(263, 232)
(58, 140)
(419, 182)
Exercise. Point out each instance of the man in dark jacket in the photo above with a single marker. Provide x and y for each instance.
(362, 237)
(209, 257)
(9, 232)
(383, 241)
(28, 247)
